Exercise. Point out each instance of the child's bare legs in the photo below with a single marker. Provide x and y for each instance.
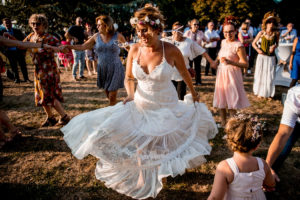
(223, 116)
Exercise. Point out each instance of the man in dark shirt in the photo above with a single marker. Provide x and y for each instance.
(15, 56)
(77, 35)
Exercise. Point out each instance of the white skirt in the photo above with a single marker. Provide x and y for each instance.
(264, 76)
(137, 148)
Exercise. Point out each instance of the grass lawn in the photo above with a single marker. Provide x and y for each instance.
(40, 165)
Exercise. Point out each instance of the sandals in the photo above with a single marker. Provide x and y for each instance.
(63, 121)
(50, 121)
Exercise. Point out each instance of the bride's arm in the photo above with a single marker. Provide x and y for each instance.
(129, 78)
(180, 65)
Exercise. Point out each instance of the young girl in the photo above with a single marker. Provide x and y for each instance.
(242, 176)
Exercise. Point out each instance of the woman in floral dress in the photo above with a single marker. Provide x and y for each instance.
(48, 91)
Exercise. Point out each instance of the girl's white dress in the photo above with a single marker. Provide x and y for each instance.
(246, 186)
(152, 137)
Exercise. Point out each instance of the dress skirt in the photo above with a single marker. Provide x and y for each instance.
(137, 147)
(264, 75)
(229, 89)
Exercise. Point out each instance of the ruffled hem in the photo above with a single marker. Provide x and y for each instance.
(138, 148)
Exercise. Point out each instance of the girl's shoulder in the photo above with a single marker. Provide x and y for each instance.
(225, 169)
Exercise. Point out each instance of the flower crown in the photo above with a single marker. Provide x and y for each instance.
(134, 21)
(256, 124)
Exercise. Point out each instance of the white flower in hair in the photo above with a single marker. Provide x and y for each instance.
(134, 20)
(157, 21)
(147, 19)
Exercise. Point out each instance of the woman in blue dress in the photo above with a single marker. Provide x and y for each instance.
(295, 62)
(110, 69)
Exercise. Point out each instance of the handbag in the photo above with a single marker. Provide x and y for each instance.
(192, 72)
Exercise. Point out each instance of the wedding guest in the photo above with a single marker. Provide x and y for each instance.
(48, 90)
(229, 90)
(198, 36)
(264, 86)
(212, 37)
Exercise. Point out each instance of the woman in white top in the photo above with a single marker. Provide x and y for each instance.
(189, 50)
(242, 176)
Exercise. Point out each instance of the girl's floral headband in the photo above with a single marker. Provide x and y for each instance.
(257, 126)
(134, 21)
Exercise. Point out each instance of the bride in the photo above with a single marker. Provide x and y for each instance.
(151, 134)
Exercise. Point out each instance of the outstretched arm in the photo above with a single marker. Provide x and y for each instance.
(16, 43)
(87, 45)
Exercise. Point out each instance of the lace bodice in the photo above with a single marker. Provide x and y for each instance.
(154, 90)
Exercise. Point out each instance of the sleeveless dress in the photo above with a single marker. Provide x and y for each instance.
(229, 88)
(145, 140)
(246, 186)
(295, 73)
(110, 69)
(264, 75)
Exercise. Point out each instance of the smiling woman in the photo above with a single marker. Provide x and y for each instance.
(151, 135)
(110, 69)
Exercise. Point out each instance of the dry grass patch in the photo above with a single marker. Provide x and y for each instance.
(41, 166)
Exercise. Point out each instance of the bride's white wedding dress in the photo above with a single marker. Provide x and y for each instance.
(151, 137)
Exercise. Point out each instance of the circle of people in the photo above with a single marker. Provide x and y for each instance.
(153, 60)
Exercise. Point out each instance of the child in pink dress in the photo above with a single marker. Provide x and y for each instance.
(66, 58)
(229, 89)
(242, 176)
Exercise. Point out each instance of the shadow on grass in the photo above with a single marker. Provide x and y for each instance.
(49, 191)
(36, 144)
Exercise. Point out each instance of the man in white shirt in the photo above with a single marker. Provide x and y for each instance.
(211, 45)
(288, 132)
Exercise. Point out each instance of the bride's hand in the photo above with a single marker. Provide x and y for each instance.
(196, 97)
(127, 99)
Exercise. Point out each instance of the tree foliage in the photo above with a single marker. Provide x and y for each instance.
(217, 10)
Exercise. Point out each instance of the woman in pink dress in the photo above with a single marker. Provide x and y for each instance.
(229, 90)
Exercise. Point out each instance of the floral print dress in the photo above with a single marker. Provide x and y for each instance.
(46, 75)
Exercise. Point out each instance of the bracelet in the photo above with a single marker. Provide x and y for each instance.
(129, 79)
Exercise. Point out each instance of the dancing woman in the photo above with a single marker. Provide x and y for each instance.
(151, 135)
(264, 86)
(48, 91)
(229, 90)
(110, 69)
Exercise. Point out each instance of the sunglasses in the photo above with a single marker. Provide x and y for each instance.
(244, 29)
(35, 23)
(196, 24)
(228, 32)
